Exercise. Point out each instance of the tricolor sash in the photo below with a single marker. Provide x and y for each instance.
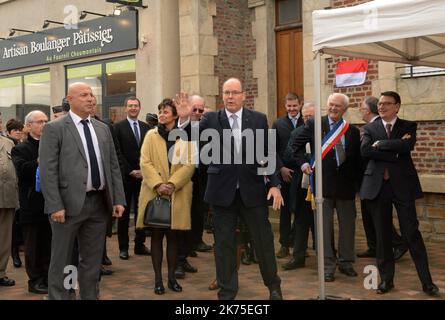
(327, 144)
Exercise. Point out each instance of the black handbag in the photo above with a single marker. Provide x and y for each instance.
(158, 213)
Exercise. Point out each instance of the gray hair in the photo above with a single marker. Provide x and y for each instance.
(195, 96)
(30, 116)
(371, 103)
(345, 98)
(308, 105)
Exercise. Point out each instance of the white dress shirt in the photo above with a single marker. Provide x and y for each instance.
(79, 126)
(392, 122)
(239, 114)
(294, 120)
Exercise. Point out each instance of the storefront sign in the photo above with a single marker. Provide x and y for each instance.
(91, 38)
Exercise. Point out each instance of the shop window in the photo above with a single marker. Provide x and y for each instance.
(91, 75)
(11, 96)
(37, 88)
(23, 93)
(111, 81)
(121, 77)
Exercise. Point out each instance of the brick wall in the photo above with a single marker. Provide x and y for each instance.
(429, 153)
(356, 93)
(232, 25)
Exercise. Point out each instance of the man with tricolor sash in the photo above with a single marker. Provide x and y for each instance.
(341, 172)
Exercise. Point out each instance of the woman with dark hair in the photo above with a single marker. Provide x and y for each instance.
(166, 177)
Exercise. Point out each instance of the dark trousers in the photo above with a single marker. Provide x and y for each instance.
(225, 220)
(286, 231)
(381, 209)
(184, 241)
(132, 187)
(304, 220)
(37, 239)
(368, 225)
(198, 211)
(17, 234)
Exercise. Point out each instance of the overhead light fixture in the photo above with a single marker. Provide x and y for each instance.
(13, 30)
(84, 13)
(46, 23)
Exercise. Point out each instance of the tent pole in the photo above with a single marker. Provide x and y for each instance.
(319, 175)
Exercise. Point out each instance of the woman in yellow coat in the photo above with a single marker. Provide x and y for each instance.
(166, 176)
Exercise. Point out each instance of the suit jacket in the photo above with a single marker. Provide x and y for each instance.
(8, 178)
(24, 156)
(199, 178)
(155, 169)
(291, 162)
(284, 127)
(64, 166)
(222, 178)
(393, 154)
(129, 149)
(338, 182)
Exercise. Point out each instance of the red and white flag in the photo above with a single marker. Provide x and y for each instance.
(351, 73)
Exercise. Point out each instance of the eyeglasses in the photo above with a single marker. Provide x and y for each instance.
(196, 110)
(384, 104)
(39, 122)
(232, 93)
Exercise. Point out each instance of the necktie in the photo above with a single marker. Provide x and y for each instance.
(340, 151)
(236, 131)
(388, 133)
(294, 122)
(136, 133)
(95, 176)
(388, 130)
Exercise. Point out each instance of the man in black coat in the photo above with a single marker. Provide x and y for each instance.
(304, 215)
(391, 179)
(341, 169)
(284, 127)
(369, 112)
(236, 186)
(35, 224)
(130, 134)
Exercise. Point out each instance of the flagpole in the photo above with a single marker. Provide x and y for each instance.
(319, 176)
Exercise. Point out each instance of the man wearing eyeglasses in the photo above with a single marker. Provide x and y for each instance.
(391, 179)
(33, 220)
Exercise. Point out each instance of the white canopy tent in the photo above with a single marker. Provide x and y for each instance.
(401, 31)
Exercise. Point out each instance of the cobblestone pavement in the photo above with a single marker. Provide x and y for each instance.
(134, 279)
